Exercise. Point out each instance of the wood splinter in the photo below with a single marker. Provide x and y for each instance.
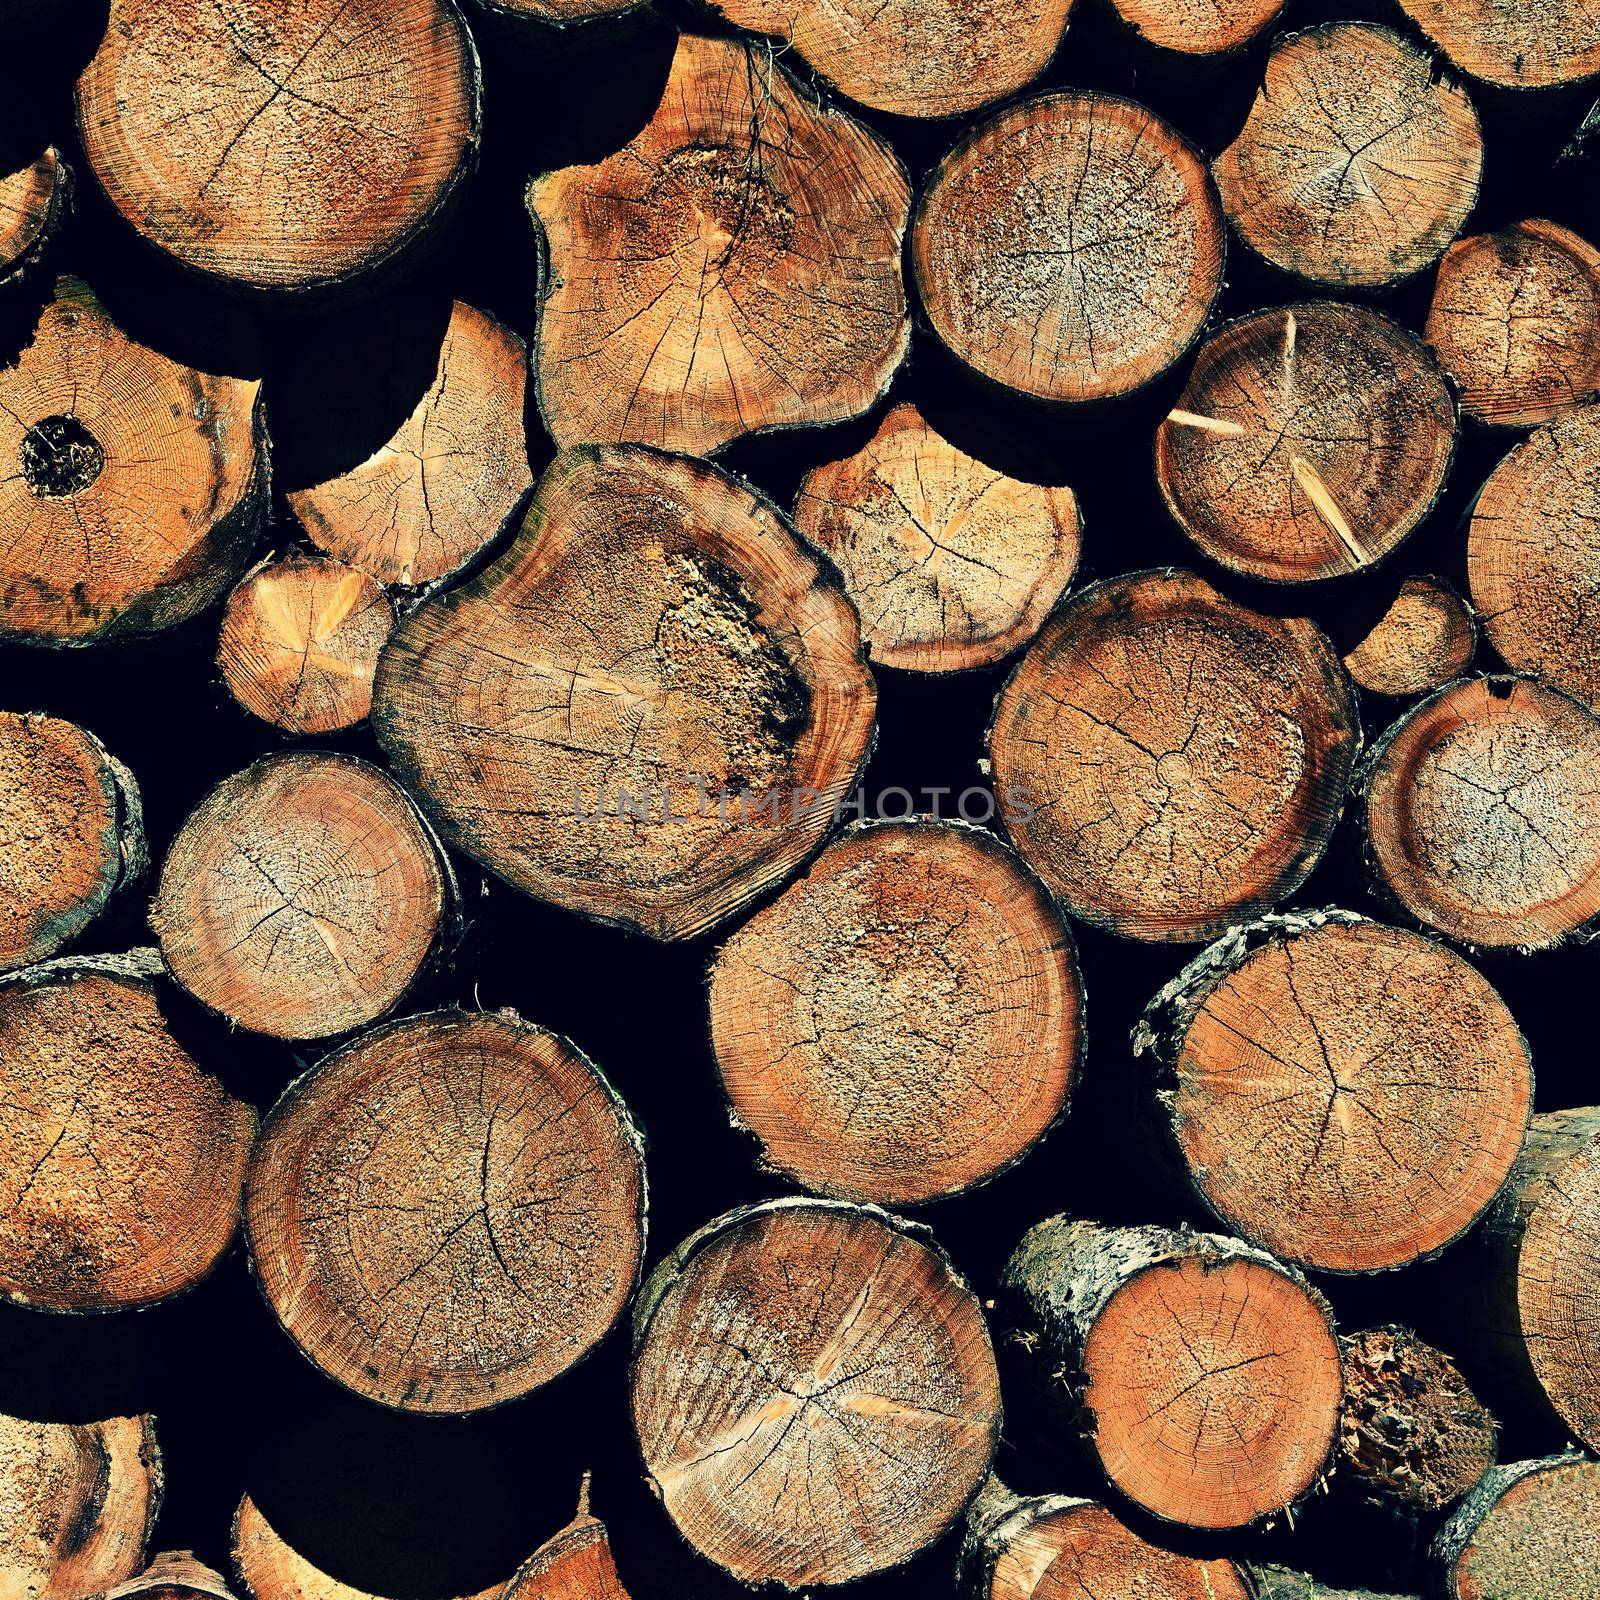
(1426, 638)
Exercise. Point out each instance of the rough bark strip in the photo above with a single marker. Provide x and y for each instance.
(736, 267)
(1426, 638)
(1308, 442)
(71, 834)
(281, 146)
(814, 1391)
(80, 1502)
(442, 489)
(1519, 47)
(1070, 247)
(951, 564)
(33, 201)
(1515, 318)
(1358, 163)
(647, 709)
(449, 1211)
(132, 488)
(1347, 1095)
(302, 896)
(1171, 763)
(123, 1162)
(1204, 1374)
(1283, 1583)
(904, 1022)
(1480, 813)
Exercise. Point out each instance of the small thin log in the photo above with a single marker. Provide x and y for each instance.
(300, 642)
(1426, 638)
(1529, 1531)
(71, 834)
(444, 486)
(714, 278)
(1032, 228)
(1203, 1374)
(131, 503)
(814, 1391)
(1308, 442)
(1480, 815)
(33, 202)
(951, 564)
(1169, 762)
(1358, 162)
(904, 1022)
(1515, 318)
(449, 1211)
(1516, 46)
(1533, 554)
(574, 1564)
(80, 1502)
(302, 896)
(1347, 1095)
(126, 1160)
(333, 131)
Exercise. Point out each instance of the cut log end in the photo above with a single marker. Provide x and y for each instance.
(333, 131)
(438, 492)
(905, 1021)
(1031, 230)
(1516, 321)
(80, 1501)
(1480, 813)
(71, 834)
(576, 1564)
(173, 1575)
(132, 502)
(1346, 1095)
(449, 1211)
(1172, 763)
(814, 1392)
(32, 200)
(126, 1161)
(910, 57)
(950, 563)
(1426, 638)
(1358, 163)
(1214, 29)
(1518, 47)
(709, 281)
(1308, 443)
(1533, 554)
(300, 643)
(302, 896)
(1413, 1437)
(678, 747)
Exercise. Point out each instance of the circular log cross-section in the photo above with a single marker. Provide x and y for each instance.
(426, 502)
(1210, 1373)
(123, 1162)
(1533, 554)
(1519, 47)
(80, 1500)
(648, 709)
(300, 642)
(1308, 442)
(71, 834)
(951, 564)
(301, 896)
(1426, 638)
(1198, 27)
(1349, 1096)
(449, 1211)
(711, 280)
(1529, 1531)
(131, 488)
(32, 200)
(912, 57)
(905, 1021)
(1171, 763)
(1413, 1438)
(291, 144)
(1358, 163)
(1515, 318)
(814, 1392)
(1057, 1547)
(1481, 813)
(1070, 247)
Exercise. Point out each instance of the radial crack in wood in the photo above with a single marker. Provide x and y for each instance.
(1426, 638)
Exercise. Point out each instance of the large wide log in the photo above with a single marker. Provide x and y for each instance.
(1517, 46)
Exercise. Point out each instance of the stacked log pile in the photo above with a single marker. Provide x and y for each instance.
(831, 764)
